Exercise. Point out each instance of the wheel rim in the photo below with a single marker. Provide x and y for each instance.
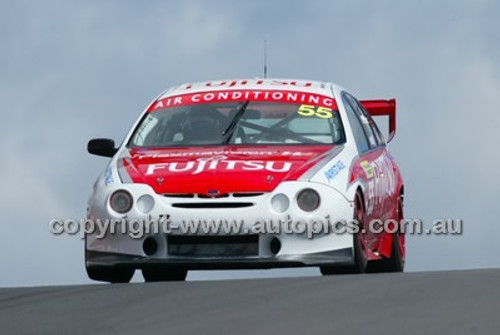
(359, 216)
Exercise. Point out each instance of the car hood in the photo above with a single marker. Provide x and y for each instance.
(217, 171)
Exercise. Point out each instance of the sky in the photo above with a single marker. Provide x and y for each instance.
(72, 71)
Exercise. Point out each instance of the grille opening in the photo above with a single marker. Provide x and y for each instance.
(179, 195)
(213, 245)
(213, 205)
(247, 194)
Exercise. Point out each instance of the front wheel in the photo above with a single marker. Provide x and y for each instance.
(360, 261)
(164, 274)
(110, 274)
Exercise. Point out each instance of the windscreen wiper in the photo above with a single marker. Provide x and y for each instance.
(228, 132)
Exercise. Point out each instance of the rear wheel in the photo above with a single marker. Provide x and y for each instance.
(110, 274)
(164, 274)
(360, 261)
(396, 262)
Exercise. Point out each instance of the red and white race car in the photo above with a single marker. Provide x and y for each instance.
(257, 173)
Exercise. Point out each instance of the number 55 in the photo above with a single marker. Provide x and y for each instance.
(321, 112)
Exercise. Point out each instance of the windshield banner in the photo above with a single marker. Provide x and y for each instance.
(277, 96)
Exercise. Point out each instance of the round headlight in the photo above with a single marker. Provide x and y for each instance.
(145, 203)
(280, 202)
(308, 200)
(121, 201)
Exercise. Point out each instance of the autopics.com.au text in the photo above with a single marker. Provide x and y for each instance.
(138, 228)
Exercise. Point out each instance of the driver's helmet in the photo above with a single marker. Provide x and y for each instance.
(202, 123)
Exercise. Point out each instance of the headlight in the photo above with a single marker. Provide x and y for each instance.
(308, 200)
(145, 203)
(121, 201)
(280, 203)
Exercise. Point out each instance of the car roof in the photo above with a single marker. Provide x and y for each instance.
(299, 85)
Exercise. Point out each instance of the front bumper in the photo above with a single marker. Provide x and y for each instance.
(297, 249)
(341, 257)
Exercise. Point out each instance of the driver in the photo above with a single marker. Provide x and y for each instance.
(202, 124)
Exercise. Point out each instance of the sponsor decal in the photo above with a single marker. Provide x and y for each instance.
(108, 176)
(221, 152)
(334, 170)
(280, 96)
(386, 183)
(219, 163)
(270, 82)
(371, 197)
(368, 168)
(381, 184)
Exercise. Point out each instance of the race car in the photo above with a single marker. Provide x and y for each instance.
(249, 174)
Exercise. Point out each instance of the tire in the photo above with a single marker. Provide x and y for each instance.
(396, 262)
(164, 274)
(110, 274)
(360, 262)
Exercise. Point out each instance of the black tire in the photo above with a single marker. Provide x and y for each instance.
(164, 274)
(110, 274)
(396, 263)
(360, 262)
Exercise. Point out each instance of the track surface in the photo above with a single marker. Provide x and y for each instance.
(454, 302)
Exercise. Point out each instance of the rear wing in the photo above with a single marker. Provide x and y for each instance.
(383, 108)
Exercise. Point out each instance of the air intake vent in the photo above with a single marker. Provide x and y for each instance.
(179, 195)
(248, 194)
(213, 246)
(213, 205)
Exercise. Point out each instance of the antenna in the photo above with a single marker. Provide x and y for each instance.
(265, 59)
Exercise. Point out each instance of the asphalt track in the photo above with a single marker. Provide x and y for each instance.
(453, 302)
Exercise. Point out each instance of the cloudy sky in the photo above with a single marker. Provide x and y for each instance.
(71, 71)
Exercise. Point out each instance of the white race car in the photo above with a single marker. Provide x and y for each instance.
(257, 173)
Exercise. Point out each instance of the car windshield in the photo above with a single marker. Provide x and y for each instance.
(239, 123)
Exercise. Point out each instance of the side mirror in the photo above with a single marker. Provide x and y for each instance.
(102, 147)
